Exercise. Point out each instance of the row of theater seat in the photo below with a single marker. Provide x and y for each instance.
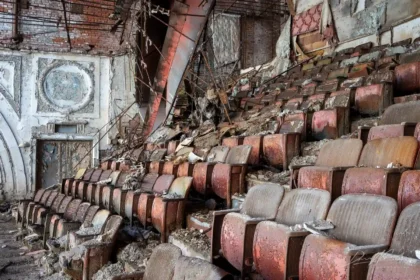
(264, 236)
(167, 263)
(345, 166)
(54, 215)
(159, 200)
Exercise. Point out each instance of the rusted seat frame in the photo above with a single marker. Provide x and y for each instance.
(248, 235)
(145, 203)
(167, 214)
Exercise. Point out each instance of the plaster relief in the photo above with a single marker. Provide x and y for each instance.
(15, 183)
(10, 69)
(65, 86)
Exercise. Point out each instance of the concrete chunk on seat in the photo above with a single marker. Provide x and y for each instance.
(400, 262)
(87, 258)
(374, 175)
(363, 226)
(276, 248)
(187, 268)
(327, 174)
(233, 232)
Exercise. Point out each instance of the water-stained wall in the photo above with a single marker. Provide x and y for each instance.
(57, 97)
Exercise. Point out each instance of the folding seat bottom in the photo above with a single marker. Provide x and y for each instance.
(378, 181)
(322, 177)
(395, 267)
(236, 233)
(324, 258)
(276, 252)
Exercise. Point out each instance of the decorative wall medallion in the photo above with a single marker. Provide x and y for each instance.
(65, 87)
(10, 73)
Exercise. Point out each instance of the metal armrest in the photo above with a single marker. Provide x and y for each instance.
(297, 167)
(341, 168)
(300, 233)
(395, 169)
(255, 221)
(167, 199)
(218, 217)
(365, 250)
(225, 212)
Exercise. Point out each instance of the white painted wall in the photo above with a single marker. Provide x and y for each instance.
(113, 90)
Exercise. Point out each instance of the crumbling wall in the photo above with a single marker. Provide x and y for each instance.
(42, 27)
(39, 92)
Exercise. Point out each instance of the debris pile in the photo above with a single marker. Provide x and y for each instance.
(204, 216)
(134, 178)
(108, 271)
(136, 254)
(193, 238)
(281, 178)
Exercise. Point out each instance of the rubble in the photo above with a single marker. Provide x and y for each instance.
(312, 148)
(108, 271)
(58, 276)
(137, 253)
(90, 230)
(195, 239)
(281, 178)
(204, 216)
(304, 160)
(134, 178)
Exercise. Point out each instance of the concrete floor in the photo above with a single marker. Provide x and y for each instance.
(22, 261)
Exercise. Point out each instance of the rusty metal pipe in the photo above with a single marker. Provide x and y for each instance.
(15, 30)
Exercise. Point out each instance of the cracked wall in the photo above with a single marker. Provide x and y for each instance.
(56, 90)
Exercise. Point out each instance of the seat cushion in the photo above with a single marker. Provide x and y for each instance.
(270, 250)
(365, 180)
(323, 258)
(387, 266)
(233, 235)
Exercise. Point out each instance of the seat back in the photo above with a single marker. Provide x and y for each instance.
(392, 114)
(57, 202)
(163, 183)
(111, 228)
(187, 268)
(303, 205)
(263, 201)
(96, 175)
(340, 152)
(121, 179)
(100, 218)
(148, 182)
(114, 177)
(88, 174)
(218, 154)
(71, 210)
(51, 199)
(363, 219)
(81, 212)
(161, 264)
(39, 195)
(158, 155)
(63, 205)
(45, 197)
(105, 174)
(239, 154)
(90, 214)
(80, 173)
(381, 152)
(409, 188)
(181, 186)
(406, 235)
